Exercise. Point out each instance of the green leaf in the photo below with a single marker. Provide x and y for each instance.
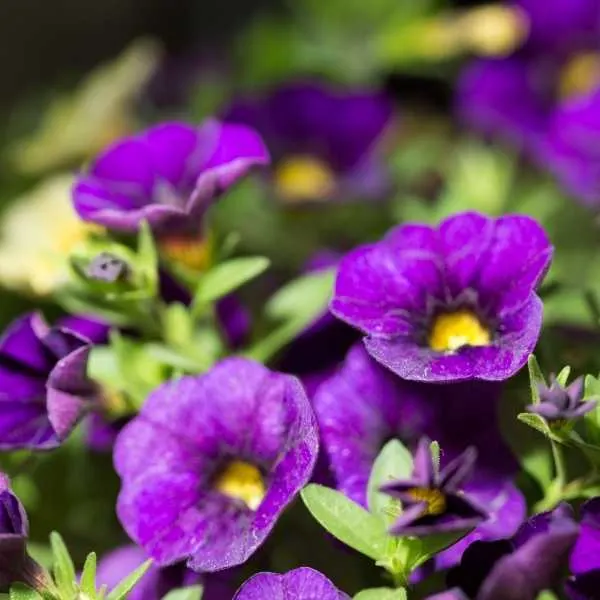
(227, 277)
(393, 462)
(147, 255)
(592, 387)
(430, 545)
(19, 591)
(347, 521)
(539, 423)
(87, 583)
(536, 378)
(188, 593)
(563, 376)
(64, 570)
(382, 594)
(127, 584)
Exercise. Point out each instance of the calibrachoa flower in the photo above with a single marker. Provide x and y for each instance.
(300, 584)
(167, 175)
(15, 563)
(211, 462)
(45, 390)
(519, 568)
(323, 141)
(558, 404)
(450, 303)
(433, 500)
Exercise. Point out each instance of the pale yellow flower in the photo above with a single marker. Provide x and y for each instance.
(76, 126)
(38, 231)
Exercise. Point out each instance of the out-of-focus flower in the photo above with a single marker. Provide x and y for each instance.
(168, 175)
(38, 232)
(451, 303)
(324, 142)
(519, 568)
(15, 564)
(78, 125)
(300, 584)
(205, 477)
(433, 500)
(44, 386)
(559, 405)
(585, 558)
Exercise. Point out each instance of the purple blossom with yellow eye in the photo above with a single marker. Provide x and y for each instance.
(167, 175)
(300, 584)
(448, 303)
(433, 500)
(45, 390)
(211, 461)
(324, 141)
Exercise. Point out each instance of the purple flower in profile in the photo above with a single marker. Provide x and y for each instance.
(585, 558)
(300, 584)
(15, 564)
(323, 141)
(558, 405)
(433, 500)
(167, 175)
(44, 386)
(451, 303)
(518, 568)
(211, 461)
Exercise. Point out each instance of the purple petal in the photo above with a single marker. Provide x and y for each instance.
(586, 553)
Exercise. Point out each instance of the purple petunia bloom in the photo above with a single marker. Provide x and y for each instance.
(323, 141)
(433, 500)
(300, 584)
(518, 568)
(45, 390)
(558, 404)
(15, 563)
(167, 175)
(211, 461)
(451, 303)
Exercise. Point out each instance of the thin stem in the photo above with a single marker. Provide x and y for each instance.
(559, 464)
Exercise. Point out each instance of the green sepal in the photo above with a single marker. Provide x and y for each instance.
(188, 593)
(19, 591)
(126, 585)
(382, 594)
(87, 583)
(63, 569)
(536, 378)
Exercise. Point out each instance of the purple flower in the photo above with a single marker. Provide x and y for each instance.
(15, 563)
(167, 175)
(323, 141)
(433, 500)
(451, 303)
(585, 558)
(87, 326)
(300, 584)
(211, 461)
(45, 390)
(518, 568)
(559, 405)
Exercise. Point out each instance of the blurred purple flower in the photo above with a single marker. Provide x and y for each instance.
(451, 303)
(300, 584)
(45, 390)
(323, 141)
(205, 477)
(168, 175)
(559, 404)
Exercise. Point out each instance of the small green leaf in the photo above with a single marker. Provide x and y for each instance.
(430, 545)
(227, 277)
(382, 594)
(347, 521)
(563, 376)
(147, 255)
(592, 387)
(393, 462)
(87, 582)
(537, 422)
(19, 591)
(188, 593)
(64, 570)
(536, 378)
(127, 584)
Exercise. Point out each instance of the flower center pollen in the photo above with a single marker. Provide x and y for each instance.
(302, 177)
(433, 498)
(242, 481)
(193, 253)
(452, 331)
(580, 75)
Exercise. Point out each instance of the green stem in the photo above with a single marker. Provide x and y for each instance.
(559, 464)
(555, 492)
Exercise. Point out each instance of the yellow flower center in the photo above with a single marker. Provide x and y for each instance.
(580, 75)
(193, 253)
(452, 331)
(304, 178)
(242, 481)
(434, 500)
